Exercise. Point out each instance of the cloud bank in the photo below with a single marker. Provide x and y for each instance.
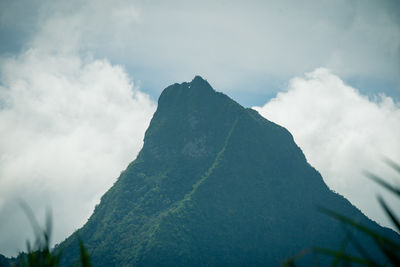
(239, 46)
(342, 133)
(68, 129)
(69, 124)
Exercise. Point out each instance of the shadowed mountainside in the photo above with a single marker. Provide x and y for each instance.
(214, 184)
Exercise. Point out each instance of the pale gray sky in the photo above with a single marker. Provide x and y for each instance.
(254, 46)
(79, 81)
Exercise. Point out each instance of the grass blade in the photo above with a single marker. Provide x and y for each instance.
(341, 255)
(390, 213)
(341, 251)
(390, 254)
(84, 257)
(377, 237)
(392, 164)
(383, 183)
(361, 250)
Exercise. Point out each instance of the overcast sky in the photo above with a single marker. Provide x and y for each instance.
(79, 81)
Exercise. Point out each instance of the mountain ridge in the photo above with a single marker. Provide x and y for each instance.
(214, 184)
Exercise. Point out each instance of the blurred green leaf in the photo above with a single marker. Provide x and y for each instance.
(339, 254)
(383, 183)
(85, 259)
(392, 164)
(390, 213)
(376, 236)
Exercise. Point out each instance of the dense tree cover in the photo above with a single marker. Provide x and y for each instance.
(215, 184)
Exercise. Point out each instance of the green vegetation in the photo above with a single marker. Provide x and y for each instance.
(387, 246)
(44, 257)
(215, 184)
(40, 254)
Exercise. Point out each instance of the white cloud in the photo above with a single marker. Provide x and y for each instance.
(69, 123)
(342, 133)
(238, 46)
(76, 26)
(68, 128)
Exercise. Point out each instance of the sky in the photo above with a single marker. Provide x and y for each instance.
(79, 82)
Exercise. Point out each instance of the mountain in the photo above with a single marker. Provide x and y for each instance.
(4, 261)
(214, 184)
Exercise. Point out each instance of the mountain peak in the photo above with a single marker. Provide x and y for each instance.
(189, 108)
(195, 94)
(198, 83)
(214, 184)
(198, 79)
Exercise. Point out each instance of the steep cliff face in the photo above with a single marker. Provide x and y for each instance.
(214, 184)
